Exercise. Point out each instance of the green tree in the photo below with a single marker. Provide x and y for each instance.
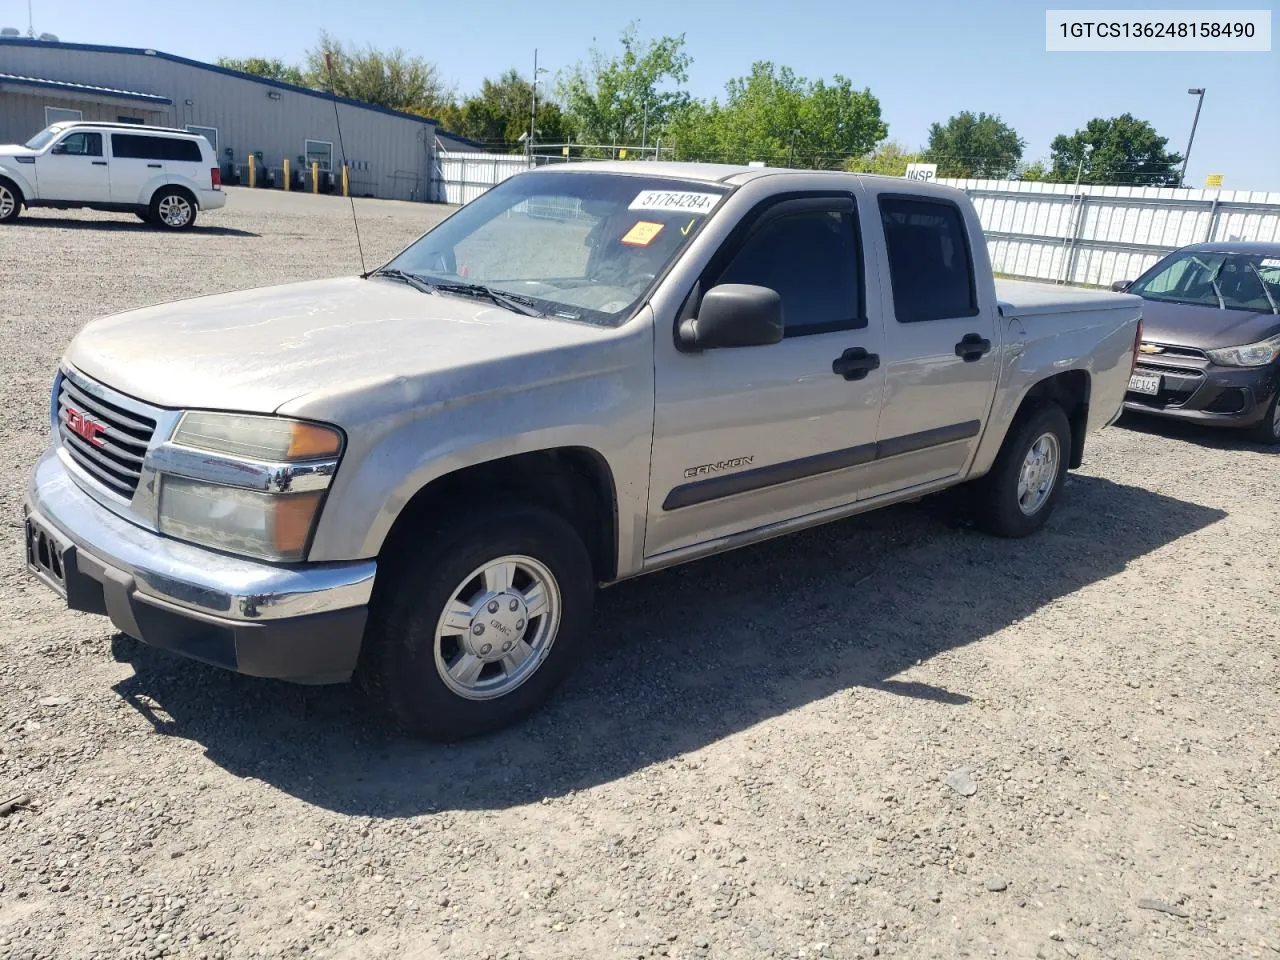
(390, 78)
(272, 68)
(626, 97)
(890, 159)
(1121, 150)
(774, 115)
(970, 145)
(1033, 172)
(499, 113)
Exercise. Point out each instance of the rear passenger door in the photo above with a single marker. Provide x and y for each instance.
(940, 340)
(137, 164)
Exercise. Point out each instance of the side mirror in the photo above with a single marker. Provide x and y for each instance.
(735, 315)
(1120, 286)
(59, 148)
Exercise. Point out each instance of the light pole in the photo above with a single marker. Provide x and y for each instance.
(533, 110)
(1195, 92)
(791, 151)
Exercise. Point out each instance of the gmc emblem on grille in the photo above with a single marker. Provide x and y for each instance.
(85, 428)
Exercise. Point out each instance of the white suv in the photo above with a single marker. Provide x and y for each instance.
(164, 176)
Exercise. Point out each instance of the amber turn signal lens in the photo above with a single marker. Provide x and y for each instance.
(293, 516)
(308, 440)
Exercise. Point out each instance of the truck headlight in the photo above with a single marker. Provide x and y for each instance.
(268, 525)
(1250, 355)
(260, 492)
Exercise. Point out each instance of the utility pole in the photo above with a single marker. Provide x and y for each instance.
(1195, 92)
(31, 25)
(791, 151)
(533, 110)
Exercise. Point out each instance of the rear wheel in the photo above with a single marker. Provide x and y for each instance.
(476, 628)
(1017, 497)
(1267, 429)
(10, 201)
(173, 209)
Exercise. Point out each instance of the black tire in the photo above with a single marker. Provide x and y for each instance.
(1267, 430)
(398, 666)
(180, 199)
(995, 496)
(9, 190)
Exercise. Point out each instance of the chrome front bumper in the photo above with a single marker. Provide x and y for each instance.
(303, 622)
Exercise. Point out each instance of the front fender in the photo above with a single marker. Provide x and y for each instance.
(606, 406)
(14, 171)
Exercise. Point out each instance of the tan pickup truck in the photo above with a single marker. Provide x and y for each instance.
(420, 475)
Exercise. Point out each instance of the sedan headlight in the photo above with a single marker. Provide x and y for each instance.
(261, 492)
(1250, 355)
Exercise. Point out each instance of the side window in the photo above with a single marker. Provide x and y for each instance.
(82, 145)
(812, 259)
(930, 266)
(132, 146)
(186, 151)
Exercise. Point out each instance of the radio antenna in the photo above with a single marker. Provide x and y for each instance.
(337, 122)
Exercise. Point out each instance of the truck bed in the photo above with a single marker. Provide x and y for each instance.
(1025, 298)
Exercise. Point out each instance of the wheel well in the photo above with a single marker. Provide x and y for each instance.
(17, 190)
(575, 482)
(1069, 390)
(160, 191)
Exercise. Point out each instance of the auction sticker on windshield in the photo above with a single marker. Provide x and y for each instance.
(675, 200)
(642, 234)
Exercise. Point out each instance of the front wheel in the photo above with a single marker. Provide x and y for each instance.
(173, 209)
(1267, 429)
(10, 202)
(1018, 495)
(476, 627)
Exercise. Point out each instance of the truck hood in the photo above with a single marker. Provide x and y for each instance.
(1205, 328)
(256, 350)
(10, 150)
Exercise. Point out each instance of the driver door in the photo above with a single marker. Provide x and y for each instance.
(74, 169)
(745, 437)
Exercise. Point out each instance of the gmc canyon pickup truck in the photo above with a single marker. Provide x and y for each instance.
(418, 476)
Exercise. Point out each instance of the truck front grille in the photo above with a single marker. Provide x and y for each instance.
(106, 441)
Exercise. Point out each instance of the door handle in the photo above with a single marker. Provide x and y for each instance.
(155, 166)
(972, 347)
(99, 163)
(855, 363)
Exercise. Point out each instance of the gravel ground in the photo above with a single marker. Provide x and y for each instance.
(890, 737)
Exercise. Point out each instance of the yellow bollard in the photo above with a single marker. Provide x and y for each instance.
(286, 173)
(253, 171)
(315, 176)
(346, 185)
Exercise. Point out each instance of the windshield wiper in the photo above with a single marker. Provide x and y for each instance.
(510, 301)
(412, 279)
(1265, 292)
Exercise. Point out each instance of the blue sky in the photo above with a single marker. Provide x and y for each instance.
(925, 60)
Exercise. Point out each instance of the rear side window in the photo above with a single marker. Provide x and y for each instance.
(930, 265)
(132, 146)
(811, 258)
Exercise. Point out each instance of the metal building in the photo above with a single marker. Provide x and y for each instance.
(389, 154)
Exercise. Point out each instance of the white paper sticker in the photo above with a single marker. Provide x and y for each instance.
(1270, 262)
(700, 203)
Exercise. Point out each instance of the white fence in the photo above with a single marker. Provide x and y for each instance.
(1096, 235)
(461, 177)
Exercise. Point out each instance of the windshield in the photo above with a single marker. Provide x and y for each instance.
(1228, 281)
(580, 246)
(41, 139)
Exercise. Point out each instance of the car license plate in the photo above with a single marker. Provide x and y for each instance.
(1145, 383)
